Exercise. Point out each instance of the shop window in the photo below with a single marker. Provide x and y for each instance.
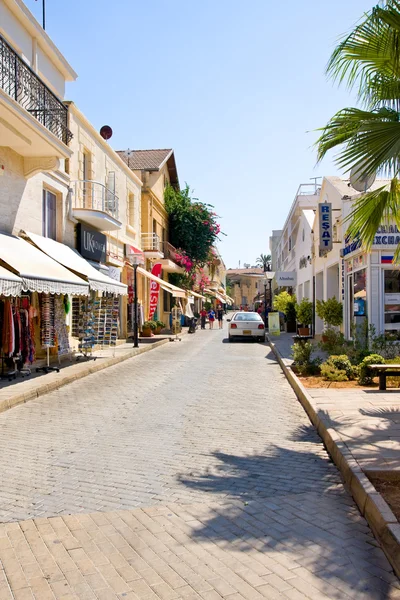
(49, 212)
(131, 210)
(392, 300)
(167, 302)
(360, 293)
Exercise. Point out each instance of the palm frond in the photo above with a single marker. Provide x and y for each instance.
(373, 209)
(371, 138)
(371, 52)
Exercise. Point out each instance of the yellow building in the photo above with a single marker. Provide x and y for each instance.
(156, 170)
(216, 273)
(247, 285)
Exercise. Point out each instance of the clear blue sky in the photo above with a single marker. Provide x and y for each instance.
(232, 86)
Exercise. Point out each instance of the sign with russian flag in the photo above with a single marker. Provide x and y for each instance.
(386, 260)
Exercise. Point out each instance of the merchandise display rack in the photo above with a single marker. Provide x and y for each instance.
(83, 326)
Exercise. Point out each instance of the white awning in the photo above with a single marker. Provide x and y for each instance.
(10, 284)
(216, 295)
(38, 272)
(177, 292)
(71, 259)
(192, 293)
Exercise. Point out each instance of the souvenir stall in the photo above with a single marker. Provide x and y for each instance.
(95, 316)
(33, 325)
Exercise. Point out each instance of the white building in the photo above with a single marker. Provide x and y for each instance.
(293, 252)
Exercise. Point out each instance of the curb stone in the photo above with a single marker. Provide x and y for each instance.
(371, 504)
(46, 388)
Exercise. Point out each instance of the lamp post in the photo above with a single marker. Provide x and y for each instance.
(268, 277)
(136, 260)
(265, 281)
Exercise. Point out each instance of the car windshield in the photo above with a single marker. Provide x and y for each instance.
(247, 317)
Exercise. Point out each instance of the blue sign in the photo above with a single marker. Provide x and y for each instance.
(325, 226)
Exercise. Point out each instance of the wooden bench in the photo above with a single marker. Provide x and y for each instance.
(385, 371)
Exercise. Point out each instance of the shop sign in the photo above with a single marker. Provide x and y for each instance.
(392, 298)
(382, 241)
(325, 226)
(351, 246)
(274, 327)
(92, 244)
(154, 290)
(286, 278)
(303, 262)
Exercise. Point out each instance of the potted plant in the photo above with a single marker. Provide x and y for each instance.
(160, 326)
(304, 315)
(331, 312)
(148, 327)
(286, 304)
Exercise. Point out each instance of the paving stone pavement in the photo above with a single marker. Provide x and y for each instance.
(191, 472)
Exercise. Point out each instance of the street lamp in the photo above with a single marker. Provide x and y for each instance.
(136, 259)
(268, 277)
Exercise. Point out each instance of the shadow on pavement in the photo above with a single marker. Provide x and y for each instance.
(288, 505)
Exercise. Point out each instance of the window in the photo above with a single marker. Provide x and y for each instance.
(290, 243)
(49, 228)
(392, 297)
(131, 210)
(66, 165)
(154, 226)
(303, 235)
(86, 160)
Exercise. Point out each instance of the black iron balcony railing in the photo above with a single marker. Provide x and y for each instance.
(19, 81)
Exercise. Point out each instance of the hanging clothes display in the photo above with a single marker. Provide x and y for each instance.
(17, 332)
(47, 321)
(63, 346)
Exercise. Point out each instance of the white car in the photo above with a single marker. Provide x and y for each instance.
(246, 324)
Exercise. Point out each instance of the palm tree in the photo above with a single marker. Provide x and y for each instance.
(264, 260)
(369, 59)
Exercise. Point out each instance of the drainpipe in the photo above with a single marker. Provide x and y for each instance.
(313, 312)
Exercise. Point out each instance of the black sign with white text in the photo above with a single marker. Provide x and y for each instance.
(91, 243)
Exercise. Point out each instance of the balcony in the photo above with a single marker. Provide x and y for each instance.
(151, 246)
(33, 121)
(169, 261)
(94, 204)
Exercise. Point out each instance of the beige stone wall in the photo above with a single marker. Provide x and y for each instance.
(21, 199)
(102, 160)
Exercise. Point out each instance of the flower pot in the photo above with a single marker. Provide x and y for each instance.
(324, 338)
(303, 330)
(146, 332)
(158, 330)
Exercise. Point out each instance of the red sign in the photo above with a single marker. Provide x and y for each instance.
(154, 290)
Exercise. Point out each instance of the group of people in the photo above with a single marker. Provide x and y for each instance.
(212, 316)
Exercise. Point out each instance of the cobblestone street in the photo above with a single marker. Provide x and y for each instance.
(190, 472)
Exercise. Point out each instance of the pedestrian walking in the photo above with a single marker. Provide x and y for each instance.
(203, 316)
(220, 316)
(211, 318)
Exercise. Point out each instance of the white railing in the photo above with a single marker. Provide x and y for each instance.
(93, 195)
(151, 242)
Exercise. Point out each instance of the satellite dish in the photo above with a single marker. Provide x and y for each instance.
(106, 132)
(360, 180)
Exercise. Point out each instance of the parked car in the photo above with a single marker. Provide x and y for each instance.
(246, 324)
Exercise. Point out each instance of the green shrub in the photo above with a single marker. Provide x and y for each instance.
(337, 368)
(365, 376)
(281, 300)
(149, 325)
(330, 311)
(305, 365)
(304, 312)
(160, 324)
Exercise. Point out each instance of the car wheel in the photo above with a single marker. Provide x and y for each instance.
(230, 338)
